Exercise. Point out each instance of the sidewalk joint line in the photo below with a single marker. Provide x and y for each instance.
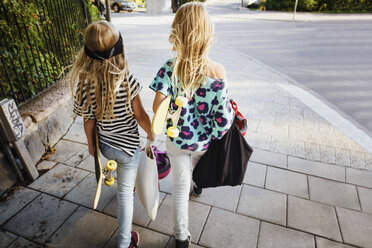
(111, 236)
(286, 210)
(338, 224)
(205, 223)
(168, 242)
(23, 206)
(108, 203)
(72, 123)
(72, 213)
(346, 175)
(359, 201)
(303, 231)
(308, 185)
(63, 197)
(26, 238)
(286, 158)
(240, 195)
(150, 221)
(312, 175)
(265, 180)
(258, 233)
(300, 197)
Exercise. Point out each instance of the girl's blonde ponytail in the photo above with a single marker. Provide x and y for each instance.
(192, 35)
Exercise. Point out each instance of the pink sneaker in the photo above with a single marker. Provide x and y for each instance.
(135, 240)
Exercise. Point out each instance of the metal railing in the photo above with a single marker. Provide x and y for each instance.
(38, 38)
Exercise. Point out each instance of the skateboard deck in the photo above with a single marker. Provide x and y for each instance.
(98, 169)
(102, 172)
(160, 116)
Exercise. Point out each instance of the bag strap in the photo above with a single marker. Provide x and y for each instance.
(234, 106)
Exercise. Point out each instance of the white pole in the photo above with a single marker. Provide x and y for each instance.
(294, 11)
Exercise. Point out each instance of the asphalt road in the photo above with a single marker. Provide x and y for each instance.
(332, 58)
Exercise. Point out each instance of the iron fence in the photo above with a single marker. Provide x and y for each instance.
(38, 39)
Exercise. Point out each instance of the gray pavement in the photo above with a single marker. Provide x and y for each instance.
(328, 54)
(307, 185)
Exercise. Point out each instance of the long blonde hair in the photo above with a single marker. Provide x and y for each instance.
(103, 77)
(192, 35)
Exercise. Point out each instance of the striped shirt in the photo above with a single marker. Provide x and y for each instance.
(120, 133)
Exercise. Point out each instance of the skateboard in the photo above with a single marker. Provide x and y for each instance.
(162, 115)
(102, 172)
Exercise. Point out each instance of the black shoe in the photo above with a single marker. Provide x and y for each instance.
(197, 191)
(183, 244)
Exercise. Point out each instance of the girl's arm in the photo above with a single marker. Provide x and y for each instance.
(159, 97)
(89, 132)
(142, 117)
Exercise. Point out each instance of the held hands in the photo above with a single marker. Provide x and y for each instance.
(151, 137)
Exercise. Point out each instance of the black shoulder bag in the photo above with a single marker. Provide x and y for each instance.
(225, 161)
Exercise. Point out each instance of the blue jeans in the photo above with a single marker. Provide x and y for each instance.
(127, 172)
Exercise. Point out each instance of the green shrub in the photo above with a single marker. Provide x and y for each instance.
(307, 5)
(345, 5)
(288, 5)
(94, 13)
(321, 5)
(38, 38)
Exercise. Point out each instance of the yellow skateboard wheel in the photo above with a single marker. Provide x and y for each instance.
(111, 165)
(181, 101)
(110, 182)
(173, 132)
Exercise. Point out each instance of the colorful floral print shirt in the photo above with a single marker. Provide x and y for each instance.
(207, 116)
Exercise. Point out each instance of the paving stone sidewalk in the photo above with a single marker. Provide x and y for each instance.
(282, 203)
(306, 184)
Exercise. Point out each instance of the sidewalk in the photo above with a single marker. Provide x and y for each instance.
(270, 15)
(304, 186)
(304, 16)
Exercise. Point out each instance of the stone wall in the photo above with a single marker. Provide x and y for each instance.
(47, 119)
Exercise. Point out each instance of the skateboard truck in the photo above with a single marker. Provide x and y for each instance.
(110, 168)
(162, 115)
(173, 131)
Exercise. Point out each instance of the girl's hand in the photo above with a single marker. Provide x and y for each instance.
(151, 137)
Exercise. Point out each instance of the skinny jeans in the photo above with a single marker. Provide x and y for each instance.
(126, 173)
(182, 161)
